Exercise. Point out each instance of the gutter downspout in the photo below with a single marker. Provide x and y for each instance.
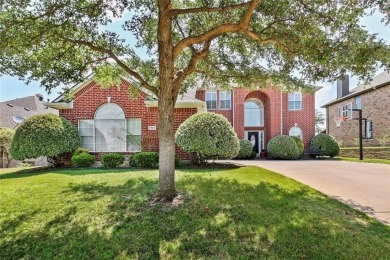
(327, 120)
(233, 104)
(281, 112)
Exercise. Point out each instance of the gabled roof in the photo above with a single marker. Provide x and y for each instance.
(184, 100)
(30, 102)
(381, 80)
(23, 107)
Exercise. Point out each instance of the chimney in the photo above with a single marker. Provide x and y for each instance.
(343, 86)
(39, 96)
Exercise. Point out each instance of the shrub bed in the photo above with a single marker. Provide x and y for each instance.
(326, 144)
(144, 159)
(246, 150)
(208, 135)
(112, 160)
(83, 160)
(149, 159)
(283, 147)
(299, 142)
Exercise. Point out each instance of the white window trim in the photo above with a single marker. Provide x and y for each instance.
(216, 99)
(93, 132)
(262, 112)
(127, 134)
(369, 137)
(291, 132)
(230, 99)
(123, 123)
(360, 107)
(300, 100)
(348, 111)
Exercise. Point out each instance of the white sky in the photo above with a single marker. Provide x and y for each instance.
(11, 87)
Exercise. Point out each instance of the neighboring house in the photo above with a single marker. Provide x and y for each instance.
(22, 108)
(110, 121)
(374, 101)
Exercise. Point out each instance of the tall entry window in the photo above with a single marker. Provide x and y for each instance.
(110, 131)
(253, 113)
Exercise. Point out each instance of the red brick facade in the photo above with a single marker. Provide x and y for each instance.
(91, 97)
(278, 119)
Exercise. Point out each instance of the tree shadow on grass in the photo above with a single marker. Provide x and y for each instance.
(29, 172)
(222, 219)
(26, 172)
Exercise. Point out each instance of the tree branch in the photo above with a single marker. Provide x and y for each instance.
(133, 73)
(175, 12)
(257, 37)
(243, 25)
(191, 67)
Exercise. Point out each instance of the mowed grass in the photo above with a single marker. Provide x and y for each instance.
(242, 213)
(365, 160)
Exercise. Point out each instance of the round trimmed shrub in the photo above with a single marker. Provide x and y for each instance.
(283, 147)
(326, 144)
(80, 150)
(301, 146)
(144, 159)
(112, 160)
(44, 135)
(246, 150)
(208, 135)
(83, 160)
(148, 160)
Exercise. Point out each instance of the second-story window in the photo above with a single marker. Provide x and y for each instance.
(295, 101)
(358, 102)
(225, 100)
(346, 111)
(211, 100)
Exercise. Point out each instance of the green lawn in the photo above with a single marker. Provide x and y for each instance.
(242, 213)
(368, 160)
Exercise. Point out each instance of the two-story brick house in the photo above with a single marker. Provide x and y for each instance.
(259, 115)
(110, 121)
(374, 101)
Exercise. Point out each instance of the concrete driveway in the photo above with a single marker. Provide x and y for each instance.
(363, 186)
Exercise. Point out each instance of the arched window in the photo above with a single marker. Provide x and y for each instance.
(109, 111)
(110, 131)
(296, 131)
(253, 113)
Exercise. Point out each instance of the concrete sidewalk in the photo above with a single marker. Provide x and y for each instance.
(363, 186)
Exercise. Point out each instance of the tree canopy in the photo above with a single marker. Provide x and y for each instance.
(250, 43)
(245, 42)
(319, 118)
(44, 135)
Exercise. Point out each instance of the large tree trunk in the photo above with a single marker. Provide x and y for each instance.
(166, 103)
(166, 186)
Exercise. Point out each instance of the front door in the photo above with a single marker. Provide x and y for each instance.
(254, 138)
